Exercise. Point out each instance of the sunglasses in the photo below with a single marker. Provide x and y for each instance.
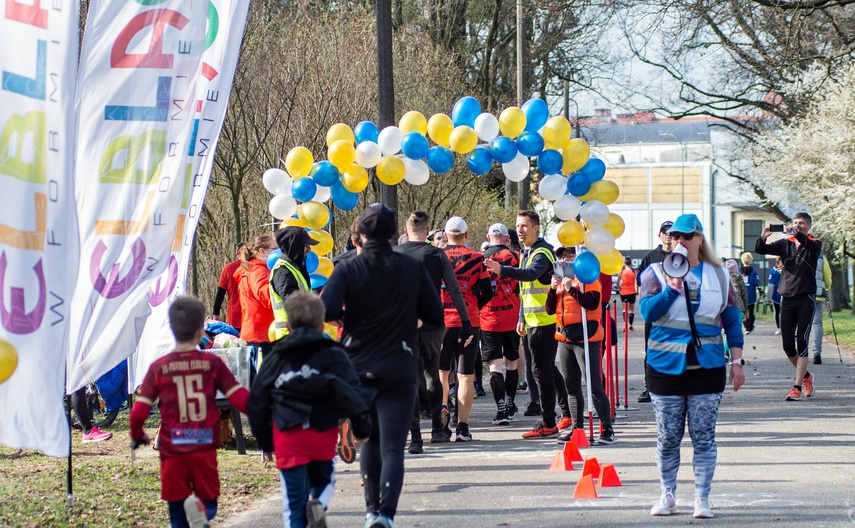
(676, 235)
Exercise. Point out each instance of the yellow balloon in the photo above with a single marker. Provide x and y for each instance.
(413, 121)
(611, 262)
(391, 170)
(556, 133)
(354, 178)
(512, 122)
(615, 225)
(338, 132)
(325, 267)
(299, 162)
(571, 233)
(315, 215)
(463, 139)
(603, 190)
(439, 129)
(325, 242)
(331, 331)
(8, 360)
(295, 222)
(341, 154)
(575, 154)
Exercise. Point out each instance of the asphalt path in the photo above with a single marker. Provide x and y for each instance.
(779, 463)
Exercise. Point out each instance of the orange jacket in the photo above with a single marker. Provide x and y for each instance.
(568, 311)
(254, 289)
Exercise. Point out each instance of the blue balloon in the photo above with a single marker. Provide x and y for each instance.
(578, 184)
(530, 143)
(317, 281)
(479, 160)
(311, 261)
(414, 145)
(272, 257)
(549, 162)
(586, 267)
(342, 198)
(594, 170)
(303, 189)
(465, 110)
(440, 159)
(536, 113)
(325, 173)
(503, 149)
(366, 131)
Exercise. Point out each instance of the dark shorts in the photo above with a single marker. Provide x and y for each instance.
(454, 351)
(195, 472)
(629, 299)
(498, 345)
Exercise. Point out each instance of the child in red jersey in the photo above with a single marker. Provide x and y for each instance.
(186, 382)
(304, 387)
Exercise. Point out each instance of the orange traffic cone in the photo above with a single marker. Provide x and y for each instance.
(580, 438)
(561, 462)
(585, 488)
(571, 450)
(608, 476)
(591, 467)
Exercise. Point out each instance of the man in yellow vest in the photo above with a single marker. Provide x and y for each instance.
(289, 273)
(536, 327)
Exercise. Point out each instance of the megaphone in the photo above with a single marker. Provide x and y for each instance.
(676, 264)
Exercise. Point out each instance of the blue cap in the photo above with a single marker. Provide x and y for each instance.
(687, 223)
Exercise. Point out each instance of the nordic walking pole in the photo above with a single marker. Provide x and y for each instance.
(827, 303)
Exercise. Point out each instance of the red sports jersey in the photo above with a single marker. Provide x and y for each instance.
(186, 384)
(502, 313)
(469, 268)
(227, 282)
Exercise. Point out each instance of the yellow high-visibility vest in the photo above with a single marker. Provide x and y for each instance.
(280, 318)
(533, 293)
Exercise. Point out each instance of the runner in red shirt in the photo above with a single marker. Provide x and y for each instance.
(475, 285)
(186, 382)
(228, 285)
(499, 317)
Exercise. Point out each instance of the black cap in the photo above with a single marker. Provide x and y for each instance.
(561, 250)
(293, 237)
(666, 225)
(378, 221)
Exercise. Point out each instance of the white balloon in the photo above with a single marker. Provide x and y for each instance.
(322, 194)
(417, 172)
(567, 207)
(595, 213)
(390, 140)
(487, 127)
(282, 206)
(368, 154)
(599, 241)
(552, 187)
(517, 169)
(276, 181)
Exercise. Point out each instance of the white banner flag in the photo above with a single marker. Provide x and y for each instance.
(38, 239)
(226, 20)
(136, 102)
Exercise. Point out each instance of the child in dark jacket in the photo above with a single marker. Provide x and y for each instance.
(304, 387)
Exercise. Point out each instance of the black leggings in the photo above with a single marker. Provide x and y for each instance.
(749, 318)
(796, 319)
(381, 459)
(777, 309)
(573, 368)
(81, 409)
(429, 345)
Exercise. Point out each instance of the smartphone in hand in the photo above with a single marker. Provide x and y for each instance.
(776, 228)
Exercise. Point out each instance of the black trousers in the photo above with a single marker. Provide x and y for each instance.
(796, 319)
(541, 342)
(572, 361)
(429, 344)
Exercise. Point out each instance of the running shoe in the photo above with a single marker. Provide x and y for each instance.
(567, 435)
(439, 437)
(463, 434)
(346, 448)
(794, 394)
(512, 411)
(607, 438)
(501, 419)
(541, 431)
(808, 384)
(316, 516)
(96, 435)
(533, 409)
(817, 359)
(417, 447)
(666, 506)
(564, 423)
(522, 387)
(778, 331)
(644, 397)
(479, 391)
(378, 521)
(702, 508)
(195, 512)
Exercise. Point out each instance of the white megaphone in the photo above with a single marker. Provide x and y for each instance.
(676, 264)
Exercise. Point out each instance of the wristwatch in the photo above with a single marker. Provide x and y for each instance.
(738, 361)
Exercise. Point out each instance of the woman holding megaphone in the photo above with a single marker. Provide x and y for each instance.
(689, 299)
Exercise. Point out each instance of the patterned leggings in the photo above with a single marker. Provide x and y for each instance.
(671, 413)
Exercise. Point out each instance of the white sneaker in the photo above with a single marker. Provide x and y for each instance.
(197, 517)
(702, 508)
(778, 331)
(666, 506)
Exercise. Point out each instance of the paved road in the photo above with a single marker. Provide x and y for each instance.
(780, 463)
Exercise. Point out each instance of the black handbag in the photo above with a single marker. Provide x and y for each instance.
(574, 333)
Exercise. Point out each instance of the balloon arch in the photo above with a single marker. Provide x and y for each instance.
(572, 179)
